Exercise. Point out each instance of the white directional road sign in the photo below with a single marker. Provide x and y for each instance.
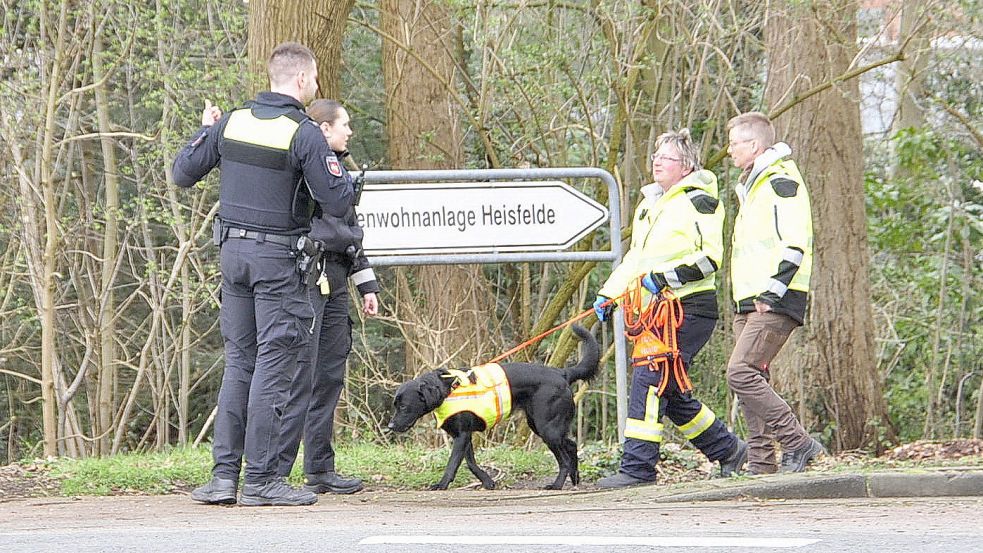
(474, 217)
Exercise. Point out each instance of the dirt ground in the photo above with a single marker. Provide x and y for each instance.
(33, 480)
(27, 481)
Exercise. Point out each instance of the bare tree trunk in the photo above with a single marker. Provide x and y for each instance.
(836, 374)
(445, 316)
(316, 24)
(182, 230)
(47, 289)
(908, 80)
(107, 310)
(978, 425)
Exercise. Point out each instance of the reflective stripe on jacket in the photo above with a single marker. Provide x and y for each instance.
(486, 393)
(772, 242)
(678, 235)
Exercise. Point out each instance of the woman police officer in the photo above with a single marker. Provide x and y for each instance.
(315, 393)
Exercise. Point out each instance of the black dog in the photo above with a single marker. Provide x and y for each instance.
(542, 392)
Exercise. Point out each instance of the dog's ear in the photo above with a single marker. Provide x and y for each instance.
(433, 388)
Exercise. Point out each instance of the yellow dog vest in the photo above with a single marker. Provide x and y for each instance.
(488, 397)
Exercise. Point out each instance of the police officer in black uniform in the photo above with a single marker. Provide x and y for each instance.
(266, 152)
(314, 396)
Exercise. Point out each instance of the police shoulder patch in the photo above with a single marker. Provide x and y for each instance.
(785, 187)
(333, 165)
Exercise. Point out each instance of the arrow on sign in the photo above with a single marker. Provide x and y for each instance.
(474, 217)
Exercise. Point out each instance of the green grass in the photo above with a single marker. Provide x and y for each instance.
(412, 466)
(402, 466)
(150, 473)
(409, 466)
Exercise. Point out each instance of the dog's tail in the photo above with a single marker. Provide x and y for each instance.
(587, 368)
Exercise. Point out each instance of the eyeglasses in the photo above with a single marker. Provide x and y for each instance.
(664, 158)
(736, 142)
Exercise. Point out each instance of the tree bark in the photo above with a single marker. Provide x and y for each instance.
(445, 313)
(316, 24)
(908, 80)
(833, 372)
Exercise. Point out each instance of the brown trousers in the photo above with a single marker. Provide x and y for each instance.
(759, 337)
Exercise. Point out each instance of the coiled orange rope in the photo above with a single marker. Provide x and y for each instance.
(654, 331)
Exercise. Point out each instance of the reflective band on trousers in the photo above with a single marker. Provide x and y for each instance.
(648, 429)
(699, 424)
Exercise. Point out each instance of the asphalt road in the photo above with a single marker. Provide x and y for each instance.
(481, 521)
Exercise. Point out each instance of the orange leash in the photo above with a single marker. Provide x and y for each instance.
(535, 339)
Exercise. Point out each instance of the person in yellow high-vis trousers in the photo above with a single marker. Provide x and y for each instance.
(770, 268)
(677, 244)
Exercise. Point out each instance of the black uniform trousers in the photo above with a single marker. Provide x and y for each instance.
(266, 321)
(321, 378)
(716, 442)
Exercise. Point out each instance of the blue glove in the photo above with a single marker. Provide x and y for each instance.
(603, 312)
(651, 284)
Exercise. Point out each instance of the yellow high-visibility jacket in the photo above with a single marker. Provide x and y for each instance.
(772, 243)
(484, 391)
(677, 235)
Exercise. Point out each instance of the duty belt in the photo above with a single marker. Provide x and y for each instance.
(233, 232)
(336, 257)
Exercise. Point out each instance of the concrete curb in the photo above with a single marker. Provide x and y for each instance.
(930, 483)
(933, 484)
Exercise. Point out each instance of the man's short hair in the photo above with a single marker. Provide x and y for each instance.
(755, 124)
(287, 60)
(683, 142)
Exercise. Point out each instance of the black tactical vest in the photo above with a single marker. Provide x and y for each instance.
(259, 187)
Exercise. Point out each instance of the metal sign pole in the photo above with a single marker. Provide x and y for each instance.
(479, 176)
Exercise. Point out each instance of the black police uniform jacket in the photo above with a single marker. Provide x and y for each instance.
(342, 238)
(265, 150)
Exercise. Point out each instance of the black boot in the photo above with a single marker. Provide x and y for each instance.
(734, 463)
(622, 480)
(796, 461)
(275, 492)
(218, 491)
(331, 482)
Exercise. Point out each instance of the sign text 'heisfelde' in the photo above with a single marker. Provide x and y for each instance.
(460, 219)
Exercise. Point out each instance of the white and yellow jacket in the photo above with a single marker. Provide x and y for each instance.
(772, 244)
(677, 235)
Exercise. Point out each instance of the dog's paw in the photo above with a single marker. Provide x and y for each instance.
(489, 485)
(438, 486)
(553, 487)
